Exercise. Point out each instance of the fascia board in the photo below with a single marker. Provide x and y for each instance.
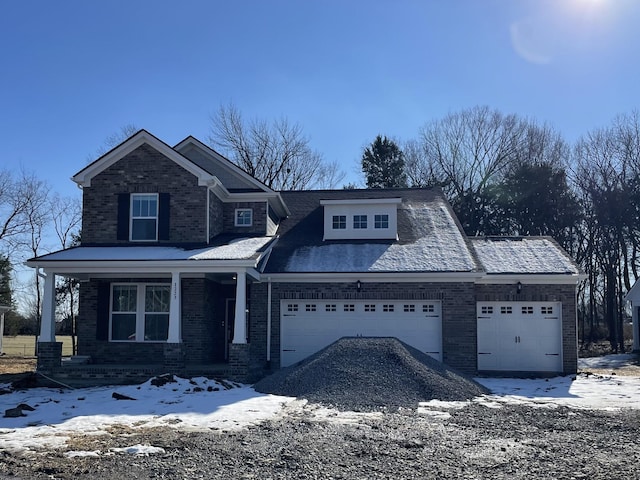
(532, 278)
(84, 176)
(360, 201)
(142, 266)
(372, 277)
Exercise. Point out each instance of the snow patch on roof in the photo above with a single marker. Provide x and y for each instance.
(241, 249)
(439, 247)
(523, 255)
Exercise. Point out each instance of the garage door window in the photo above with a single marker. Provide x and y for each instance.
(506, 310)
(429, 308)
(330, 308)
(546, 310)
(292, 307)
(369, 307)
(409, 308)
(527, 310)
(486, 310)
(310, 307)
(349, 307)
(387, 308)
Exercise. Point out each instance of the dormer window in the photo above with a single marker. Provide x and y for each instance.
(339, 222)
(359, 221)
(381, 221)
(144, 217)
(244, 217)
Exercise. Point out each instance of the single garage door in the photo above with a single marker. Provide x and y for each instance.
(520, 336)
(307, 326)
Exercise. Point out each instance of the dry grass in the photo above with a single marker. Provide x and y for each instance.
(25, 345)
(14, 368)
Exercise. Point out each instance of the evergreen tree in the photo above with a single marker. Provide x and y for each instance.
(6, 298)
(535, 199)
(383, 164)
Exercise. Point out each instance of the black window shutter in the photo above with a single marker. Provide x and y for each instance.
(102, 313)
(163, 216)
(123, 216)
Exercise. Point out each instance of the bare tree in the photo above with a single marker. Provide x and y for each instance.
(277, 153)
(66, 214)
(114, 140)
(606, 176)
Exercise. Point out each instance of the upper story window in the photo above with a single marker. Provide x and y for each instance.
(339, 222)
(359, 221)
(381, 221)
(144, 217)
(244, 217)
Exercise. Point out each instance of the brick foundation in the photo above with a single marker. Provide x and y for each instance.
(49, 356)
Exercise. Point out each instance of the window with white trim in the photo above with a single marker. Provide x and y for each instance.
(381, 221)
(359, 221)
(339, 222)
(244, 217)
(144, 217)
(140, 312)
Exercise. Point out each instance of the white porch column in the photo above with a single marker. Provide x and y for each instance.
(240, 325)
(175, 328)
(48, 320)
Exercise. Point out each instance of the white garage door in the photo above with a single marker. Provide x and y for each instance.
(307, 326)
(520, 336)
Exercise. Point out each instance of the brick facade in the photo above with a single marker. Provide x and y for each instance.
(131, 174)
(259, 226)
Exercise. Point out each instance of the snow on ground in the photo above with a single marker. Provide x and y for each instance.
(196, 404)
(207, 405)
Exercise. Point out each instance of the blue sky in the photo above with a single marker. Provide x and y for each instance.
(75, 72)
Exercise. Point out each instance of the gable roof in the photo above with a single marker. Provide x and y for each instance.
(429, 237)
(232, 176)
(523, 255)
(84, 176)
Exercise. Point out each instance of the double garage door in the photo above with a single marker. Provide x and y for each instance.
(520, 336)
(308, 326)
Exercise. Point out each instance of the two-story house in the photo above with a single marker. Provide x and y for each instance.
(188, 264)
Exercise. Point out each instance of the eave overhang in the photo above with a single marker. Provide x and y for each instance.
(84, 176)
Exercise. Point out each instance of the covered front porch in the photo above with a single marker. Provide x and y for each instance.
(138, 318)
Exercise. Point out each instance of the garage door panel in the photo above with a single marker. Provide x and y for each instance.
(305, 329)
(519, 336)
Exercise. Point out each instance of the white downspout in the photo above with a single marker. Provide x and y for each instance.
(268, 320)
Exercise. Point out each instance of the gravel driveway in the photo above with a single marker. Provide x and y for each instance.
(312, 441)
(474, 442)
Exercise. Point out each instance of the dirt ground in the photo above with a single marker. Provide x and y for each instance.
(13, 368)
